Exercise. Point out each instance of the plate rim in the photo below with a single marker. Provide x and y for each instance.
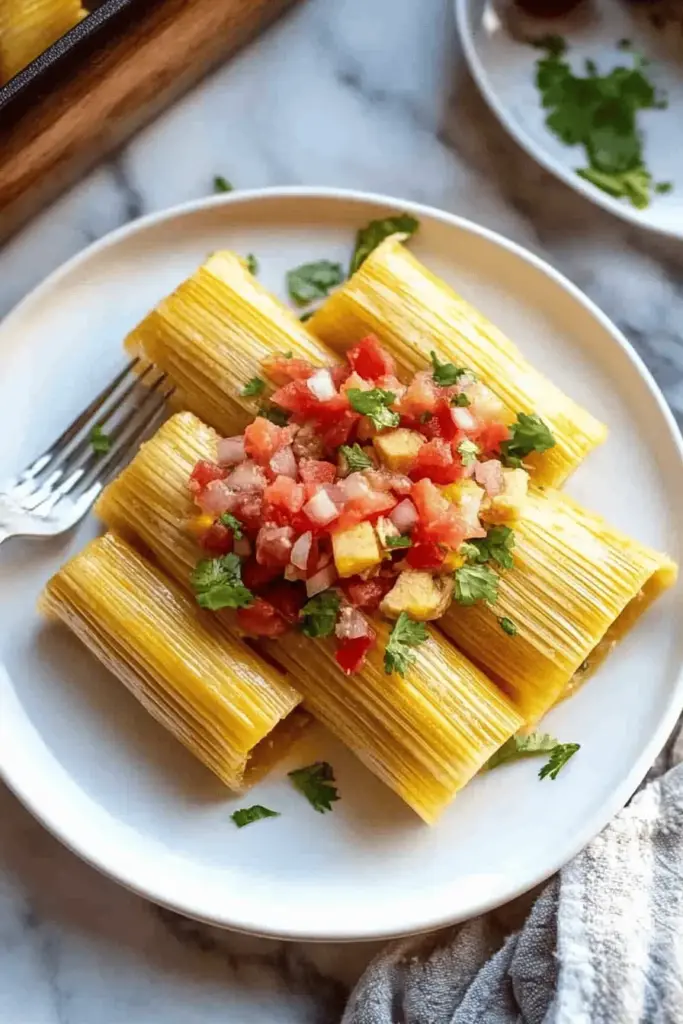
(605, 811)
(595, 195)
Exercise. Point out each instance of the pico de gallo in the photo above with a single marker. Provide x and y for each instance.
(352, 493)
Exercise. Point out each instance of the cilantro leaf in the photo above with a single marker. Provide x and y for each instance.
(527, 434)
(425, 417)
(316, 782)
(404, 637)
(470, 551)
(217, 583)
(558, 759)
(313, 281)
(307, 315)
(460, 401)
(355, 458)
(99, 441)
(319, 615)
(255, 386)
(662, 188)
(221, 184)
(252, 263)
(519, 747)
(633, 185)
(229, 520)
(246, 815)
(475, 583)
(375, 405)
(508, 626)
(468, 451)
(445, 374)
(280, 417)
(399, 542)
(369, 237)
(496, 546)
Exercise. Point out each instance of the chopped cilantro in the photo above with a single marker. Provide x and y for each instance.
(217, 583)
(403, 639)
(246, 815)
(496, 546)
(527, 434)
(288, 355)
(475, 583)
(599, 113)
(461, 401)
(319, 615)
(555, 45)
(280, 417)
(229, 520)
(221, 184)
(468, 451)
(252, 263)
(558, 759)
(369, 237)
(316, 782)
(445, 374)
(425, 417)
(255, 386)
(375, 405)
(519, 747)
(624, 44)
(399, 542)
(355, 458)
(662, 188)
(470, 552)
(508, 626)
(313, 281)
(307, 315)
(99, 441)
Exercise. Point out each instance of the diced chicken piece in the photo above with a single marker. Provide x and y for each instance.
(420, 594)
(355, 549)
(398, 448)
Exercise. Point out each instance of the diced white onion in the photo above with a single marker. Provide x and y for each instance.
(351, 624)
(337, 492)
(356, 486)
(404, 516)
(301, 550)
(321, 385)
(463, 418)
(321, 509)
(216, 498)
(283, 463)
(490, 476)
(322, 580)
(242, 547)
(247, 477)
(231, 450)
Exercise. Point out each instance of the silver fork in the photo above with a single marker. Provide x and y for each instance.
(56, 490)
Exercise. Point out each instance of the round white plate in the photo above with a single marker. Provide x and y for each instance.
(505, 69)
(112, 785)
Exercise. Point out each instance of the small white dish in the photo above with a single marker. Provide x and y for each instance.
(505, 69)
(113, 786)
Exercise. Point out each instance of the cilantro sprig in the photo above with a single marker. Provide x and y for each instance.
(475, 583)
(558, 759)
(247, 815)
(316, 783)
(312, 281)
(253, 387)
(355, 458)
(233, 523)
(252, 263)
(217, 583)
(319, 615)
(221, 184)
(375, 405)
(99, 441)
(537, 744)
(445, 374)
(403, 639)
(369, 237)
(496, 546)
(276, 415)
(508, 626)
(399, 542)
(527, 434)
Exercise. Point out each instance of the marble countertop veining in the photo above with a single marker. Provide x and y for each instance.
(365, 95)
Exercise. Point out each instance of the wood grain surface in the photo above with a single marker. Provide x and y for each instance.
(167, 49)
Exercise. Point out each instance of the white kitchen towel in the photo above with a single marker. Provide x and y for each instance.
(601, 944)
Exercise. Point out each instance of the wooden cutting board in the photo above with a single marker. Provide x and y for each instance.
(166, 47)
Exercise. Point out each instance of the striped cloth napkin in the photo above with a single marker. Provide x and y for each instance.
(601, 944)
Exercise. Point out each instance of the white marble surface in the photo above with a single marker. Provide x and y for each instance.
(350, 93)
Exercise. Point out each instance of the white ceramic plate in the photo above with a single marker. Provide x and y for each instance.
(101, 775)
(504, 69)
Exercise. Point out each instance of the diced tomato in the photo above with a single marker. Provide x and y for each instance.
(287, 598)
(420, 397)
(203, 473)
(282, 371)
(328, 412)
(342, 430)
(435, 461)
(369, 359)
(256, 576)
(350, 654)
(249, 511)
(369, 506)
(296, 398)
(425, 556)
(366, 594)
(283, 494)
(439, 520)
(217, 539)
(261, 619)
(314, 472)
(490, 436)
(274, 544)
(339, 374)
(263, 438)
